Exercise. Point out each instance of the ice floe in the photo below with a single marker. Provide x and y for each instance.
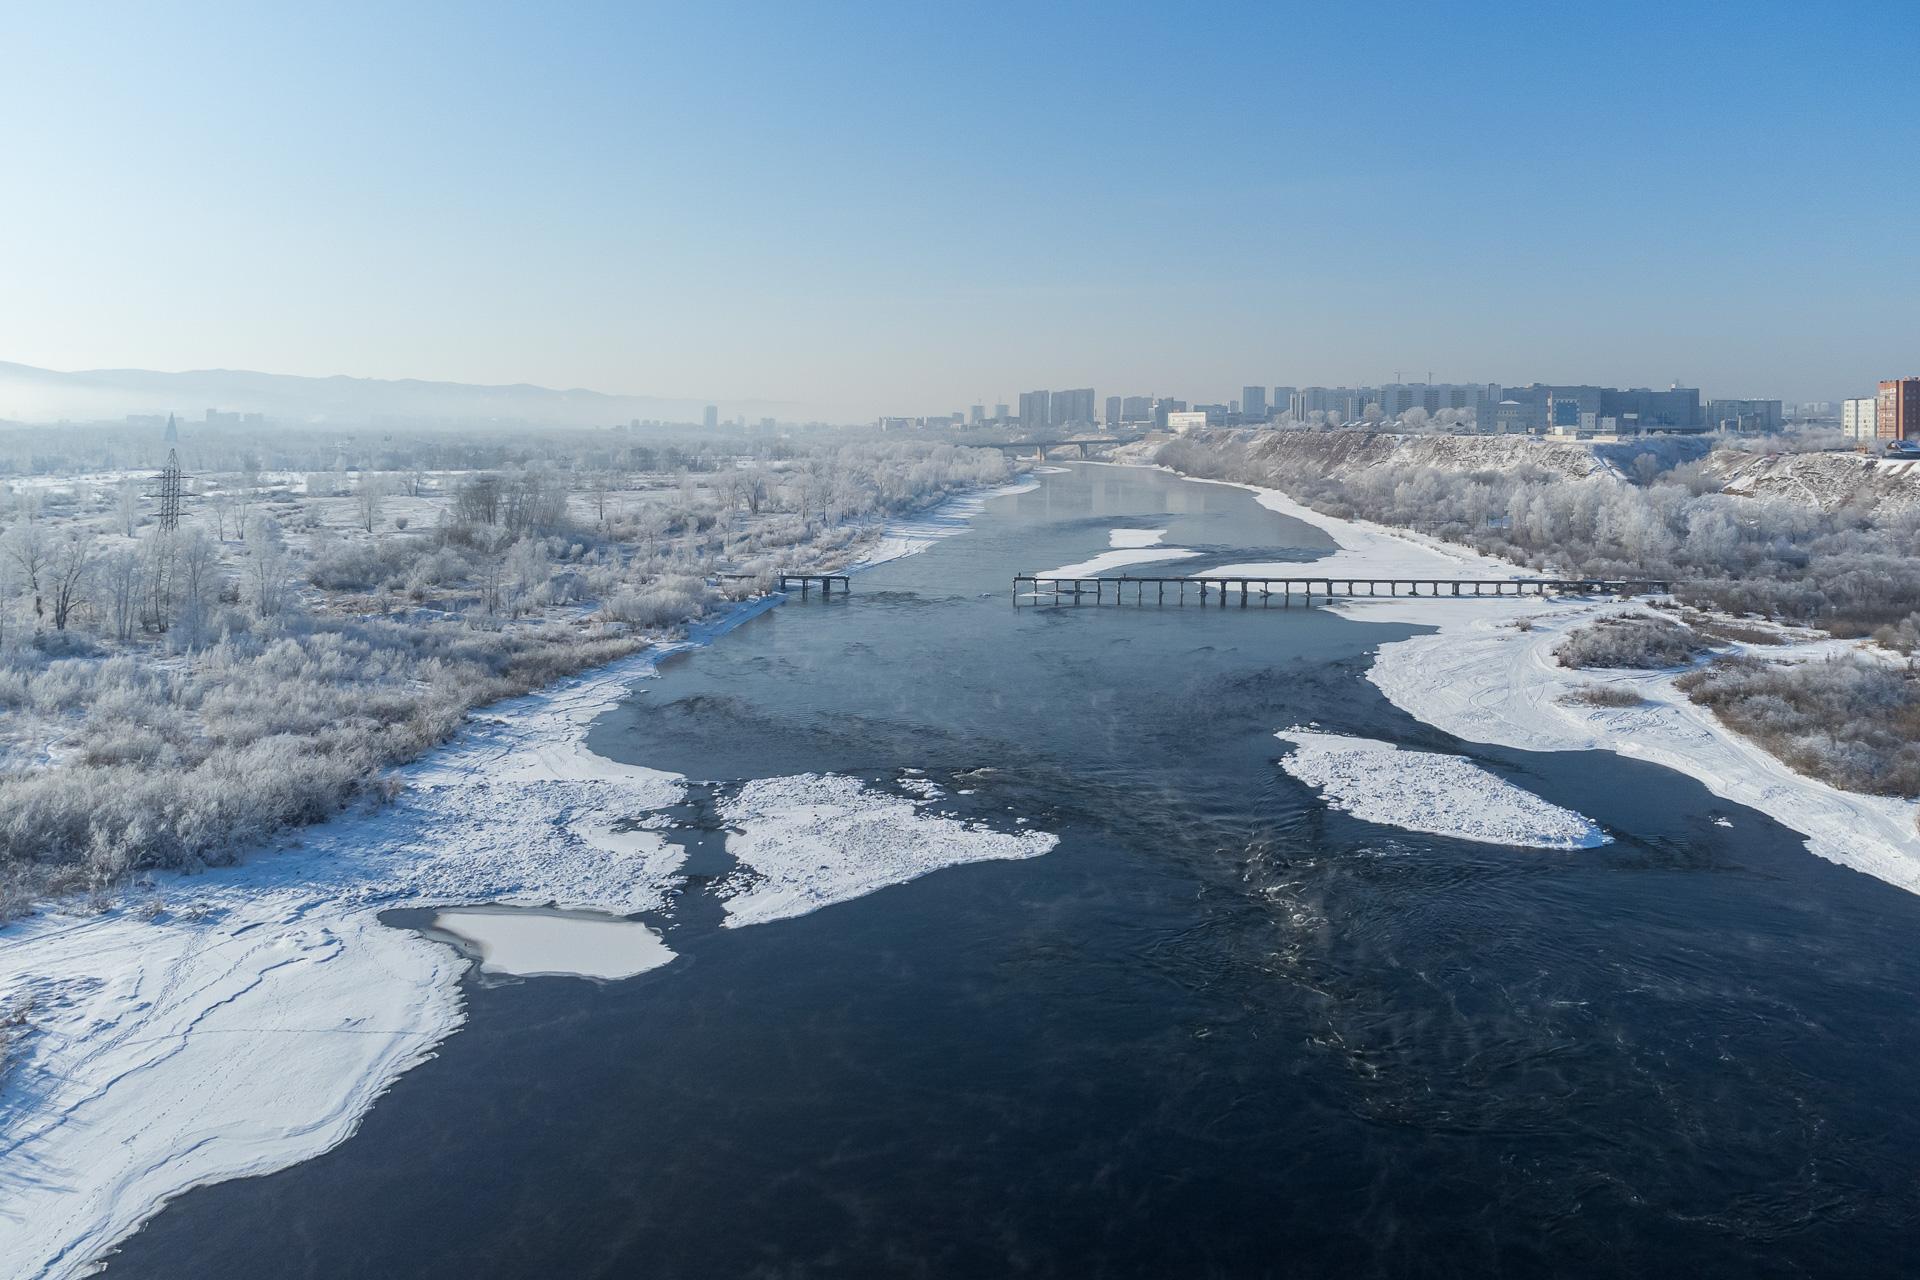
(1108, 560)
(1426, 791)
(531, 942)
(810, 840)
(1130, 546)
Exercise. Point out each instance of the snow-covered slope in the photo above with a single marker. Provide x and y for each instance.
(1827, 481)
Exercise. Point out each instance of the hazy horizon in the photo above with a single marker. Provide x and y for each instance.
(876, 211)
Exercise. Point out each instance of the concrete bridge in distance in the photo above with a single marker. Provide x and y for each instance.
(1037, 449)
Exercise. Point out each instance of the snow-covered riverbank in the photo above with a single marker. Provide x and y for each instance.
(240, 1020)
(1482, 678)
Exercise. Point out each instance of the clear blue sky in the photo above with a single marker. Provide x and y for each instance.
(910, 208)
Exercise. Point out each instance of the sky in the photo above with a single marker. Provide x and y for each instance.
(906, 208)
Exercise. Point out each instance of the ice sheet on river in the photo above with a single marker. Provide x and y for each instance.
(1130, 546)
(811, 840)
(1425, 791)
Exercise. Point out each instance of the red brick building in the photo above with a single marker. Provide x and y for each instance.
(1897, 416)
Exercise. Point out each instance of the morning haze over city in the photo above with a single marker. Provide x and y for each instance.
(874, 640)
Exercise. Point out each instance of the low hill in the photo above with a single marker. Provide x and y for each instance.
(28, 394)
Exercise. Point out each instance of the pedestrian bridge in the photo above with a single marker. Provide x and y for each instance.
(1041, 589)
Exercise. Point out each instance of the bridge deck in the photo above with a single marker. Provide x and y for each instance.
(1046, 589)
(806, 581)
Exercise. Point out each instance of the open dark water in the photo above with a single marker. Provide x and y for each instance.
(1220, 1031)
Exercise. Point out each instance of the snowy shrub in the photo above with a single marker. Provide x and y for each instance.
(282, 733)
(1902, 637)
(360, 564)
(1849, 722)
(1636, 640)
(666, 601)
(1602, 695)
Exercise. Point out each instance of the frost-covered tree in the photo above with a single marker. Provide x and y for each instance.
(68, 567)
(269, 571)
(29, 549)
(127, 504)
(367, 498)
(198, 576)
(121, 584)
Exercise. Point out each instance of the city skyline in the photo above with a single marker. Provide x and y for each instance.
(847, 213)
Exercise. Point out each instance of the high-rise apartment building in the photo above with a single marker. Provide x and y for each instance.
(976, 414)
(1345, 403)
(1136, 409)
(1253, 404)
(1034, 409)
(1898, 417)
(1072, 408)
(1000, 413)
(1396, 398)
(711, 418)
(1860, 417)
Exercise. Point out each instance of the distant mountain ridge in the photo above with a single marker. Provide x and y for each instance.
(29, 394)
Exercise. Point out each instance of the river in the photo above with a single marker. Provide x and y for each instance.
(1219, 1030)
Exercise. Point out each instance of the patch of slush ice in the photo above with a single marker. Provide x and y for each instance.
(1135, 537)
(1425, 791)
(537, 943)
(811, 840)
(1117, 560)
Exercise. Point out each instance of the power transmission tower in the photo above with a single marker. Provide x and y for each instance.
(170, 493)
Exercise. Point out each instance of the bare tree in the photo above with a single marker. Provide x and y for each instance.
(269, 567)
(199, 580)
(161, 550)
(477, 501)
(29, 550)
(68, 566)
(366, 500)
(245, 496)
(759, 487)
(9, 583)
(122, 587)
(491, 569)
(127, 503)
(598, 490)
(222, 506)
(651, 521)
